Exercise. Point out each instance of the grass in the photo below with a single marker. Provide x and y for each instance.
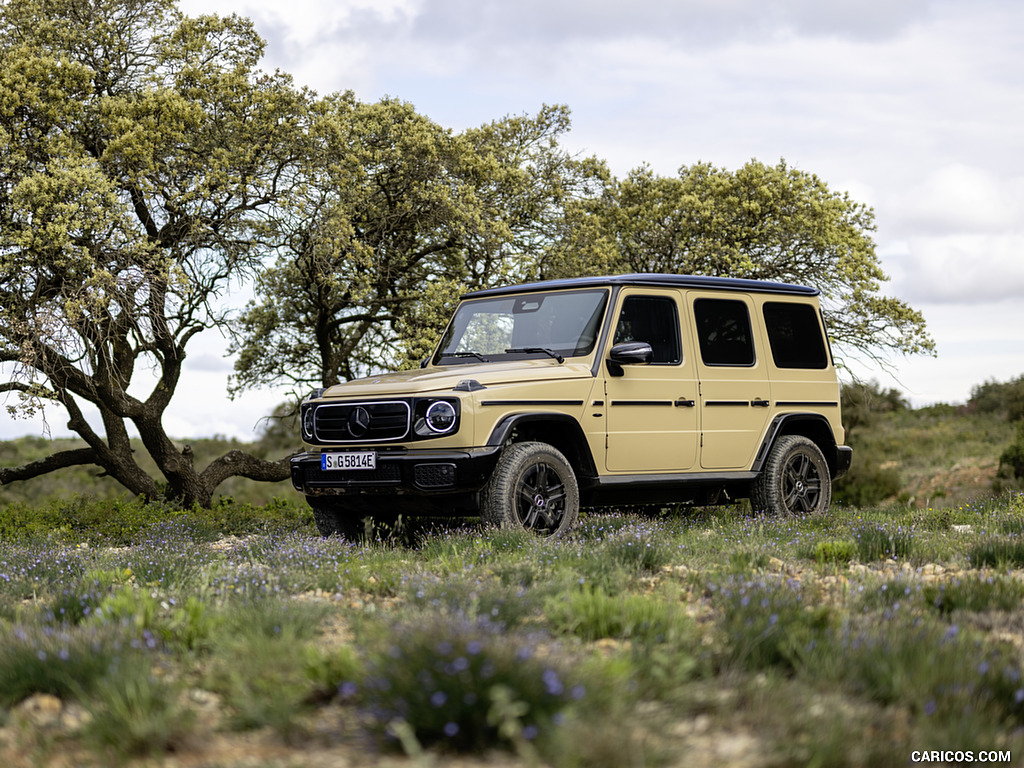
(851, 639)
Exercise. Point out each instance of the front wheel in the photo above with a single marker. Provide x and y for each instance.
(794, 481)
(534, 488)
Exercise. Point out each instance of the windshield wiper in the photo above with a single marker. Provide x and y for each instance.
(531, 350)
(477, 355)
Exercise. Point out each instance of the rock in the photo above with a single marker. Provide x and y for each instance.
(41, 710)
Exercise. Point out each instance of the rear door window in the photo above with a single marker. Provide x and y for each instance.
(794, 335)
(723, 330)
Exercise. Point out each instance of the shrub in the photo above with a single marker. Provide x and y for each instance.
(134, 713)
(590, 614)
(976, 594)
(1012, 459)
(867, 483)
(834, 551)
(465, 686)
(768, 624)
(63, 662)
(637, 550)
(877, 542)
(997, 551)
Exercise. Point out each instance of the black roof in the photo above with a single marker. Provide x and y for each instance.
(671, 281)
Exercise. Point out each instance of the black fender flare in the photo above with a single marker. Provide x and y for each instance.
(819, 426)
(572, 436)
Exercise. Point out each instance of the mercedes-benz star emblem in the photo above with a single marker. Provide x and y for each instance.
(358, 421)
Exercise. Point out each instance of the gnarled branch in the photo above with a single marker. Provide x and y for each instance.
(59, 460)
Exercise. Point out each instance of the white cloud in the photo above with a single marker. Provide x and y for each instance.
(960, 198)
(959, 268)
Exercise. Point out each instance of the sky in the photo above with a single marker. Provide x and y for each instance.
(913, 107)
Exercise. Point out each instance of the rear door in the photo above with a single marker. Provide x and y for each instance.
(651, 409)
(735, 389)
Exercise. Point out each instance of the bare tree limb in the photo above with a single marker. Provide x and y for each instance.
(59, 460)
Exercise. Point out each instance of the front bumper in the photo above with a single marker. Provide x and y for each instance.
(402, 471)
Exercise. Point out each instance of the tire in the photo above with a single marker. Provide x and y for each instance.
(794, 481)
(533, 488)
(334, 518)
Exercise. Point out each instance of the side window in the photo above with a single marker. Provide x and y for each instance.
(723, 329)
(652, 319)
(794, 335)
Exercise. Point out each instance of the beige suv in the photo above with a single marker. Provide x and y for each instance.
(541, 398)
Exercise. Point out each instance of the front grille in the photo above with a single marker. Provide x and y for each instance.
(384, 473)
(434, 475)
(361, 422)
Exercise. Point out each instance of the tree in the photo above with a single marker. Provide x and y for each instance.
(760, 222)
(141, 153)
(397, 218)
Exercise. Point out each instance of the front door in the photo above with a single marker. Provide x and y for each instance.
(651, 409)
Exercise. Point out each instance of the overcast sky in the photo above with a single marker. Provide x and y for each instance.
(914, 107)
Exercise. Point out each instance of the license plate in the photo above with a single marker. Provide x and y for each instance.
(349, 460)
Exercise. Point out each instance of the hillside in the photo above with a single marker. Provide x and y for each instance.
(936, 456)
(929, 457)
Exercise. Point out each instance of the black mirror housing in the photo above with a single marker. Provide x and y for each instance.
(631, 353)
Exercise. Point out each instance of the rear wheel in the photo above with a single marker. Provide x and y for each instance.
(533, 487)
(794, 481)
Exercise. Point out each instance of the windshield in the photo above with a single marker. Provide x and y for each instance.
(529, 325)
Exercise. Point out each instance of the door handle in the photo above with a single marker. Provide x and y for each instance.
(684, 403)
(757, 402)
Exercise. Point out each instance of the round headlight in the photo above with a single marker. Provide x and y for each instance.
(307, 423)
(441, 416)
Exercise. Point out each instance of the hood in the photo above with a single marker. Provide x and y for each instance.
(446, 378)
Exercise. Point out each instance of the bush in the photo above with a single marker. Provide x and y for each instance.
(833, 551)
(877, 542)
(769, 624)
(867, 483)
(1001, 551)
(1012, 459)
(976, 594)
(590, 614)
(465, 686)
(63, 663)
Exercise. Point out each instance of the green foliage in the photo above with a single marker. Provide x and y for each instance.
(463, 685)
(761, 222)
(142, 153)
(918, 455)
(398, 218)
(732, 629)
(881, 542)
(636, 550)
(768, 624)
(1012, 459)
(1002, 398)
(997, 552)
(260, 664)
(590, 614)
(977, 594)
(67, 662)
(867, 483)
(134, 713)
(118, 522)
(834, 551)
(862, 402)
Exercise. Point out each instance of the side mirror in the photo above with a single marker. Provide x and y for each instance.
(628, 353)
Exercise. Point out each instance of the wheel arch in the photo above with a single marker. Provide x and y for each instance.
(813, 426)
(559, 430)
